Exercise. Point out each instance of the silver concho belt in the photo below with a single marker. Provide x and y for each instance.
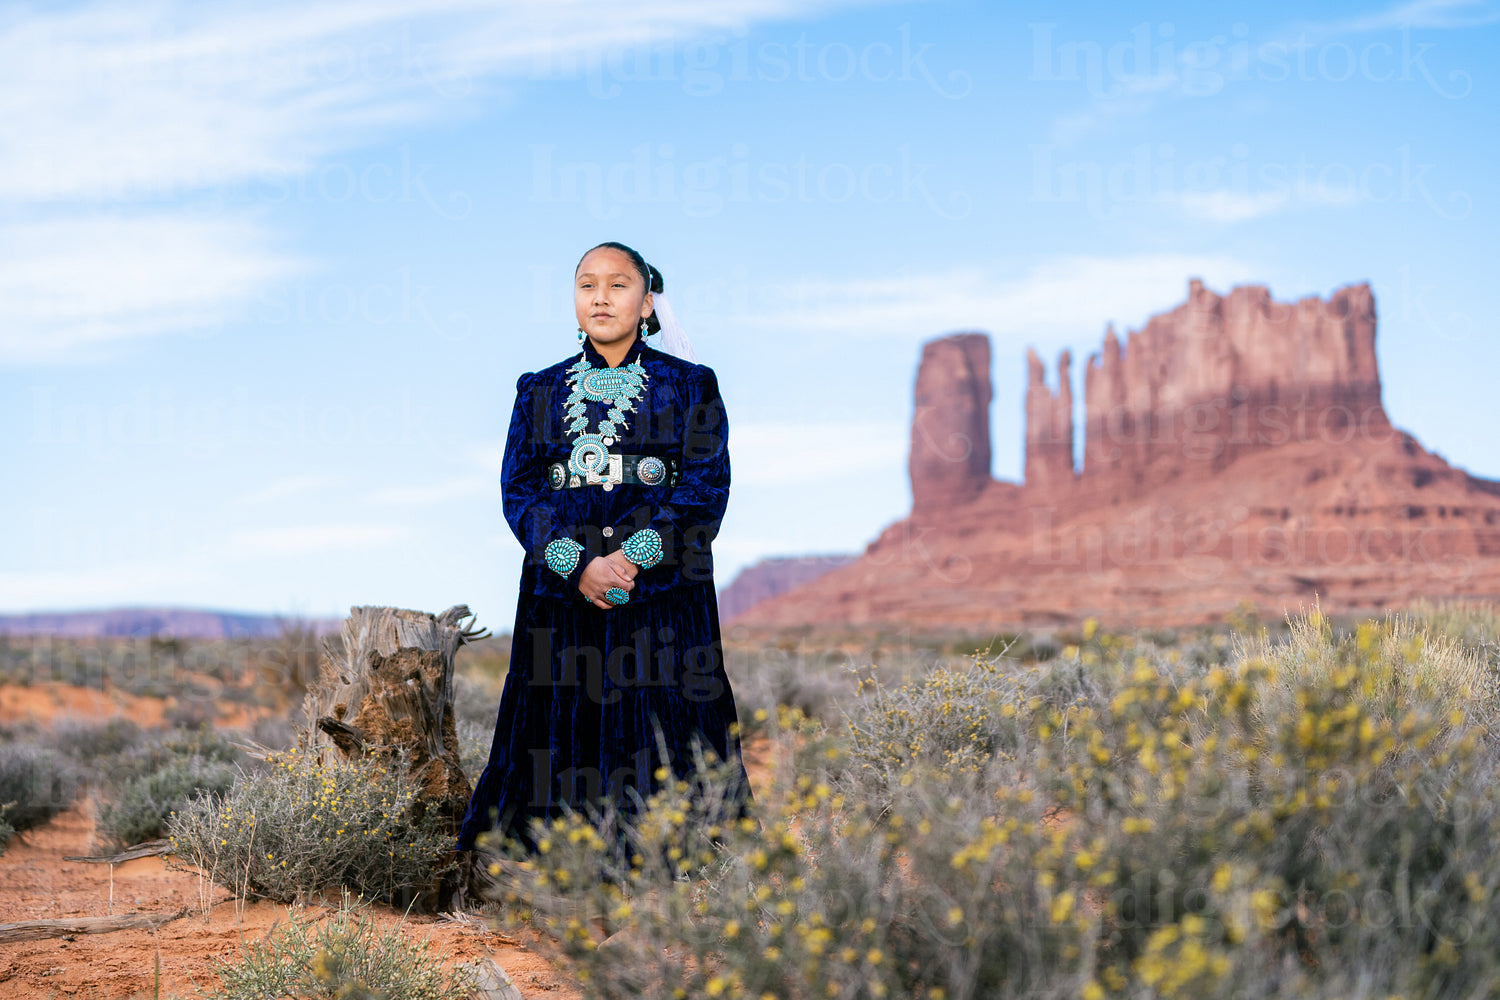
(647, 470)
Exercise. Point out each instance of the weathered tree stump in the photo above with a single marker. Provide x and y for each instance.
(386, 684)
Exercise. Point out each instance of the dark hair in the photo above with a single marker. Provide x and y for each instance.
(650, 274)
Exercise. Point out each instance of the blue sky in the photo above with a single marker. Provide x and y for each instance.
(268, 273)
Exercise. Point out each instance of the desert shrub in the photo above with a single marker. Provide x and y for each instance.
(298, 827)
(1150, 825)
(474, 742)
(476, 699)
(21, 731)
(1400, 660)
(138, 810)
(287, 664)
(36, 783)
(192, 711)
(956, 719)
(1473, 623)
(145, 784)
(820, 894)
(6, 830)
(1036, 648)
(347, 957)
(275, 731)
(766, 678)
(486, 658)
(1207, 649)
(86, 741)
(162, 748)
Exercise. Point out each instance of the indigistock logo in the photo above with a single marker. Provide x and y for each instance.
(397, 180)
(392, 177)
(1203, 546)
(174, 57)
(705, 67)
(1209, 429)
(398, 298)
(1153, 59)
(650, 658)
(705, 187)
(1235, 187)
(204, 428)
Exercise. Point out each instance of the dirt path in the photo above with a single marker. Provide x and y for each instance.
(36, 884)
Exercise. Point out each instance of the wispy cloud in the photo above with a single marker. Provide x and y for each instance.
(1229, 206)
(71, 284)
(1065, 294)
(1433, 14)
(207, 568)
(312, 539)
(1165, 72)
(291, 486)
(428, 494)
(148, 105)
(780, 453)
(1134, 96)
(40, 590)
(147, 99)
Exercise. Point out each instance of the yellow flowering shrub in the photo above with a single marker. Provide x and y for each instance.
(347, 956)
(297, 827)
(1313, 814)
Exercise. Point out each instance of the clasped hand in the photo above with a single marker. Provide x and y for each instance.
(604, 572)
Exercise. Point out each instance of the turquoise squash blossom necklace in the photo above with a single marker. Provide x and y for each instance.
(620, 388)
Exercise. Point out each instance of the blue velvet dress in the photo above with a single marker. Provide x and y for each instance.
(588, 687)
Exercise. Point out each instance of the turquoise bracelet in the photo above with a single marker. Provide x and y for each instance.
(562, 555)
(643, 548)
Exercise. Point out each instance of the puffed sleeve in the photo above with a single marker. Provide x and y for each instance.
(687, 520)
(528, 498)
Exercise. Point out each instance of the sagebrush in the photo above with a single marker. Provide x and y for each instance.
(1215, 820)
(347, 956)
(300, 826)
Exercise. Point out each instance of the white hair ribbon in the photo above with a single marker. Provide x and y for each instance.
(674, 340)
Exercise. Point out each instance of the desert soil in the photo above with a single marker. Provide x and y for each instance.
(37, 884)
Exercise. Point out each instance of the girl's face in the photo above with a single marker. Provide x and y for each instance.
(609, 296)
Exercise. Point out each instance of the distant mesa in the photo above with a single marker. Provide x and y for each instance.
(1235, 450)
(767, 578)
(177, 623)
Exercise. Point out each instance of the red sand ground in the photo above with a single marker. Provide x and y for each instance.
(44, 702)
(36, 884)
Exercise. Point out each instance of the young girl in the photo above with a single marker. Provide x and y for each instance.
(615, 479)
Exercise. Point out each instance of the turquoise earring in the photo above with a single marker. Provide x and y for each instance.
(581, 336)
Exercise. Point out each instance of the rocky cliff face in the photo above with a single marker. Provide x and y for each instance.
(950, 428)
(1049, 426)
(1218, 377)
(1235, 449)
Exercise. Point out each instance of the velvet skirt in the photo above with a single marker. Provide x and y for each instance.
(592, 699)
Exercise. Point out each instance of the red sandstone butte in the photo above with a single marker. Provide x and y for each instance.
(1235, 450)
